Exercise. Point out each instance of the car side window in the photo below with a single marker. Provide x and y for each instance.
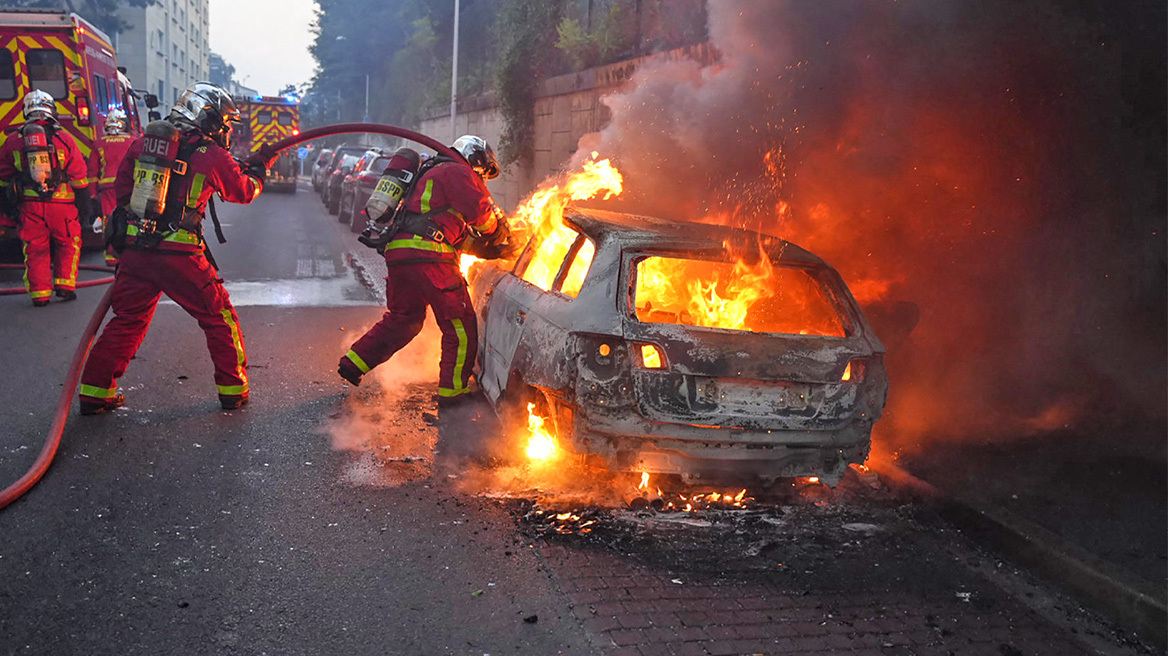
(575, 267)
(546, 255)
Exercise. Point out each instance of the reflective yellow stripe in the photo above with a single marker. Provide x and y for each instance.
(419, 244)
(356, 359)
(442, 391)
(98, 392)
(108, 181)
(178, 236)
(461, 360)
(232, 390)
(40, 294)
(240, 358)
(196, 190)
(426, 196)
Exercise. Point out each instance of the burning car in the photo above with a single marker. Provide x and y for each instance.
(682, 348)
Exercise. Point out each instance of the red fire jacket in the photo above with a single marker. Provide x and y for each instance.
(449, 184)
(107, 156)
(210, 169)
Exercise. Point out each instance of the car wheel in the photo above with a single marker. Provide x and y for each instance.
(513, 416)
(334, 204)
(357, 216)
(345, 214)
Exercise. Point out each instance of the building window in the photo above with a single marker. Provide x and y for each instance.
(161, 90)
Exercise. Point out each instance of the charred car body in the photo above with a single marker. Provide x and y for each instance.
(601, 324)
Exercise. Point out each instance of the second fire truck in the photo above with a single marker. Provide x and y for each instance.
(265, 120)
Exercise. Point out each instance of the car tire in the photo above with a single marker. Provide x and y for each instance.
(344, 215)
(334, 205)
(357, 219)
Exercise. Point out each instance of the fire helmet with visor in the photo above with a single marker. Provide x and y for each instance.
(479, 154)
(116, 122)
(208, 109)
(39, 106)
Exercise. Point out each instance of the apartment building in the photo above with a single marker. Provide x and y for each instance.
(166, 46)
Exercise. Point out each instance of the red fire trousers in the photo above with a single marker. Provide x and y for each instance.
(409, 288)
(52, 247)
(189, 280)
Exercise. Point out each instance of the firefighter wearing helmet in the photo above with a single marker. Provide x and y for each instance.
(108, 153)
(44, 185)
(445, 204)
(163, 189)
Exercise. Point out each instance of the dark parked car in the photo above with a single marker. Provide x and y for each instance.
(323, 159)
(331, 190)
(338, 160)
(358, 186)
(680, 348)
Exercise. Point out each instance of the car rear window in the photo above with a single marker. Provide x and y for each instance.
(284, 118)
(761, 297)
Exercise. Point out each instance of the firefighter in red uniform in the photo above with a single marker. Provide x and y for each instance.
(107, 155)
(447, 203)
(44, 183)
(163, 187)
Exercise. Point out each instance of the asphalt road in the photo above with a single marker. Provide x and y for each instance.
(172, 527)
(323, 520)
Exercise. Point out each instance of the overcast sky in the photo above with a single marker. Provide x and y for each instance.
(266, 40)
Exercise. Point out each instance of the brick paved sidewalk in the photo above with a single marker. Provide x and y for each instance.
(902, 595)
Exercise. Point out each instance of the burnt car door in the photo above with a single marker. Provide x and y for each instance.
(527, 311)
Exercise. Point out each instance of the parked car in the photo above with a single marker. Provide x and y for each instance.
(338, 159)
(597, 326)
(331, 192)
(318, 165)
(358, 186)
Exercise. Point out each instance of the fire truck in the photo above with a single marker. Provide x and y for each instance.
(268, 119)
(65, 56)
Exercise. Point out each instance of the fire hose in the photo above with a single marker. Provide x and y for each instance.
(73, 377)
(8, 291)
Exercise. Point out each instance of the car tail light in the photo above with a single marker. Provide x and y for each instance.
(651, 357)
(83, 111)
(854, 372)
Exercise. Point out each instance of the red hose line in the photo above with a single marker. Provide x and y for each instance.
(8, 291)
(30, 478)
(73, 378)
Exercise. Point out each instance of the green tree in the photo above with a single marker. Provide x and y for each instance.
(527, 32)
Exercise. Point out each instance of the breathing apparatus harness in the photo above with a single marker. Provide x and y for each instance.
(166, 152)
(43, 171)
(386, 206)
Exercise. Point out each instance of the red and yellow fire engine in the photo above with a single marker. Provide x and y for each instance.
(63, 55)
(268, 119)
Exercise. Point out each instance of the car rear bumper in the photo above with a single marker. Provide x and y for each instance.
(721, 453)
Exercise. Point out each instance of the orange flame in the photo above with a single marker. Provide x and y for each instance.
(541, 446)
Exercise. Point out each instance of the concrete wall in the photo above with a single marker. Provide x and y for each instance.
(567, 107)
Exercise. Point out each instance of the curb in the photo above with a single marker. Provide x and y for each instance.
(1111, 592)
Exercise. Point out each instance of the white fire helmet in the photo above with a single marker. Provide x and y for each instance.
(116, 122)
(479, 154)
(39, 106)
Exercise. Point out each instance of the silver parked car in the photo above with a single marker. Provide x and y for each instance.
(673, 347)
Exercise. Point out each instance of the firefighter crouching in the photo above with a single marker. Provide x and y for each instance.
(43, 184)
(163, 187)
(444, 202)
(107, 155)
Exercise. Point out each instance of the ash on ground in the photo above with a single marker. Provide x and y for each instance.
(794, 527)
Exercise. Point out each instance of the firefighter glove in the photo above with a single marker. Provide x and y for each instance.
(256, 170)
(265, 157)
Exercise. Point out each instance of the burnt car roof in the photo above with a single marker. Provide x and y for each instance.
(638, 231)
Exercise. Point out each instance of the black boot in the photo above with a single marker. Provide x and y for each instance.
(101, 407)
(66, 295)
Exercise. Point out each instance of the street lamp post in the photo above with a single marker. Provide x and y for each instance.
(454, 74)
